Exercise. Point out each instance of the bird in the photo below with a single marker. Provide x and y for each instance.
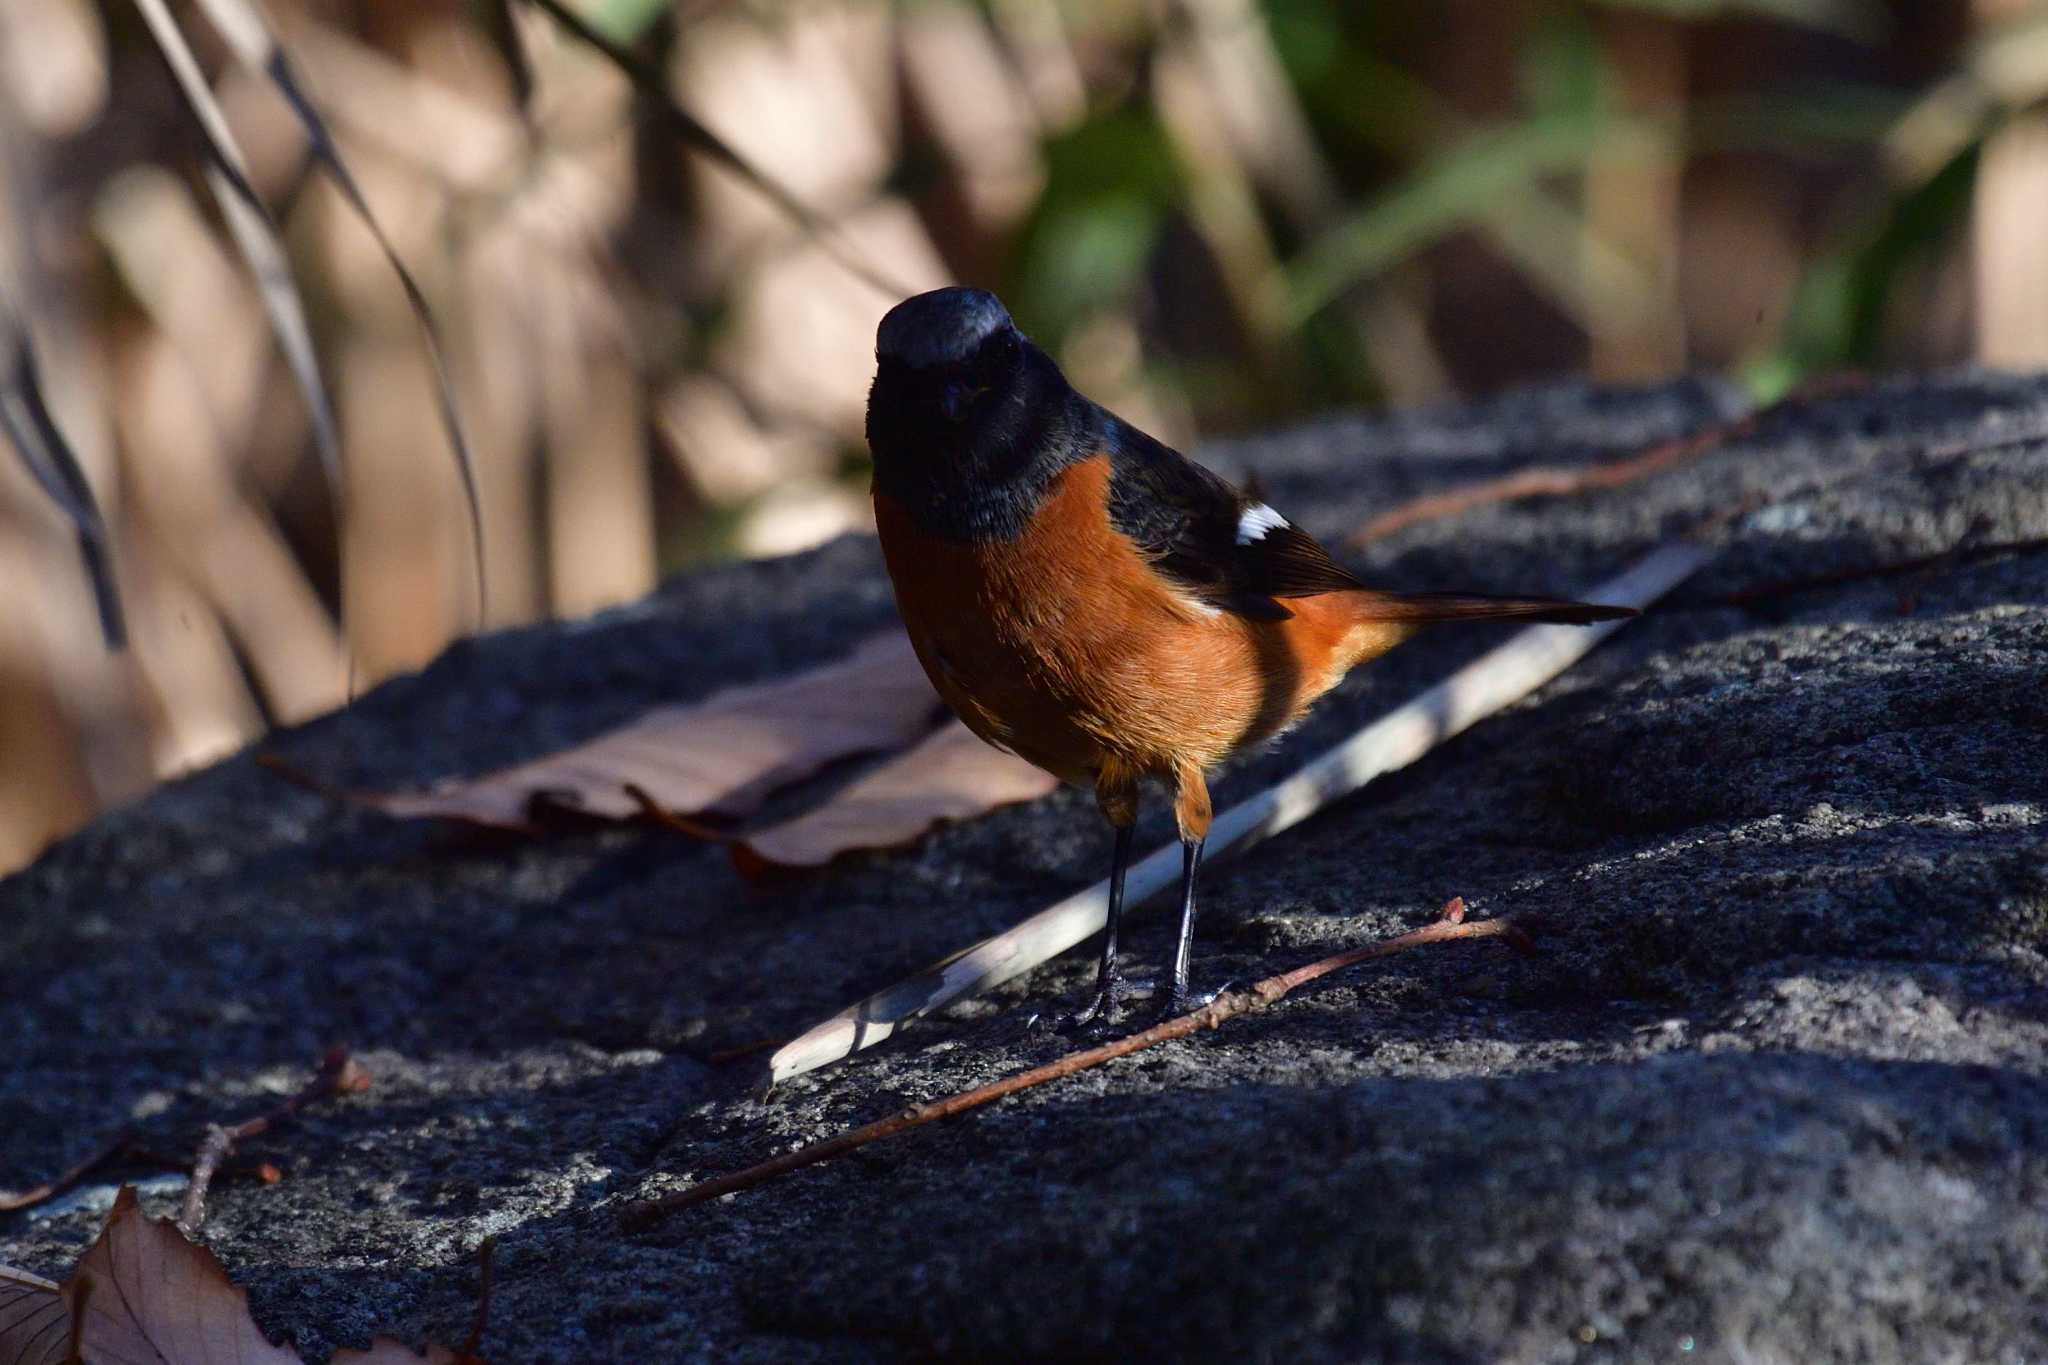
(1093, 601)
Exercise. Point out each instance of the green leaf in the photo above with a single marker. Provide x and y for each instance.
(1111, 183)
(1080, 254)
(626, 21)
(1122, 152)
(1433, 203)
(1306, 37)
(1838, 314)
(1454, 191)
(1561, 69)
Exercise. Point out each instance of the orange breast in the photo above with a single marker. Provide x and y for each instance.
(1064, 646)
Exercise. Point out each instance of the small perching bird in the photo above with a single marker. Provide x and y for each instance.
(1095, 602)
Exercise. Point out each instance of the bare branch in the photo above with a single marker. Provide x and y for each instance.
(1549, 481)
(1225, 1007)
(339, 1074)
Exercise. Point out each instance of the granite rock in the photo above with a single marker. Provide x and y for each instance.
(1774, 1087)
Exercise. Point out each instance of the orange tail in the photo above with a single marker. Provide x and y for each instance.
(1422, 608)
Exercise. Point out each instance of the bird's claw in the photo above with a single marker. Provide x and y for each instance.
(1183, 1001)
(1103, 1008)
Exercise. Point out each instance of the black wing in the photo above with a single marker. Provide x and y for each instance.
(1221, 546)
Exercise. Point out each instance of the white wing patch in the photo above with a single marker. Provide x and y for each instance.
(1256, 521)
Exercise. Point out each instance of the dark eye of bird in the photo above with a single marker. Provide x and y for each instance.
(955, 401)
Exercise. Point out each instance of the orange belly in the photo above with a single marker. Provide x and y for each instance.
(1064, 646)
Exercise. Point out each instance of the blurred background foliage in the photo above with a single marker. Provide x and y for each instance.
(1219, 214)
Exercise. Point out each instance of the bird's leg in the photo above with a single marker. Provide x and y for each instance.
(1111, 990)
(1192, 812)
(1179, 1001)
(1118, 797)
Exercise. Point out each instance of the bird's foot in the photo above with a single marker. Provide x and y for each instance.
(1102, 1010)
(1183, 1001)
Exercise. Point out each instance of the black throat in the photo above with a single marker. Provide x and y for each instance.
(981, 478)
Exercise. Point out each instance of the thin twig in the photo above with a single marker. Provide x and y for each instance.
(338, 1074)
(213, 1148)
(12, 1201)
(125, 1149)
(1554, 481)
(1225, 1007)
(1549, 481)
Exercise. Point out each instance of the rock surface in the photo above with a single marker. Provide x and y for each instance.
(1774, 1088)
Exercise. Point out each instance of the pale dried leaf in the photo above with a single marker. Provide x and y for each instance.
(951, 775)
(723, 755)
(154, 1296)
(35, 1322)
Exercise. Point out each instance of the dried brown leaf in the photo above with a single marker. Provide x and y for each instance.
(35, 1323)
(950, 775)
(723, 755)
(151, 1295)
(143, 1292)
